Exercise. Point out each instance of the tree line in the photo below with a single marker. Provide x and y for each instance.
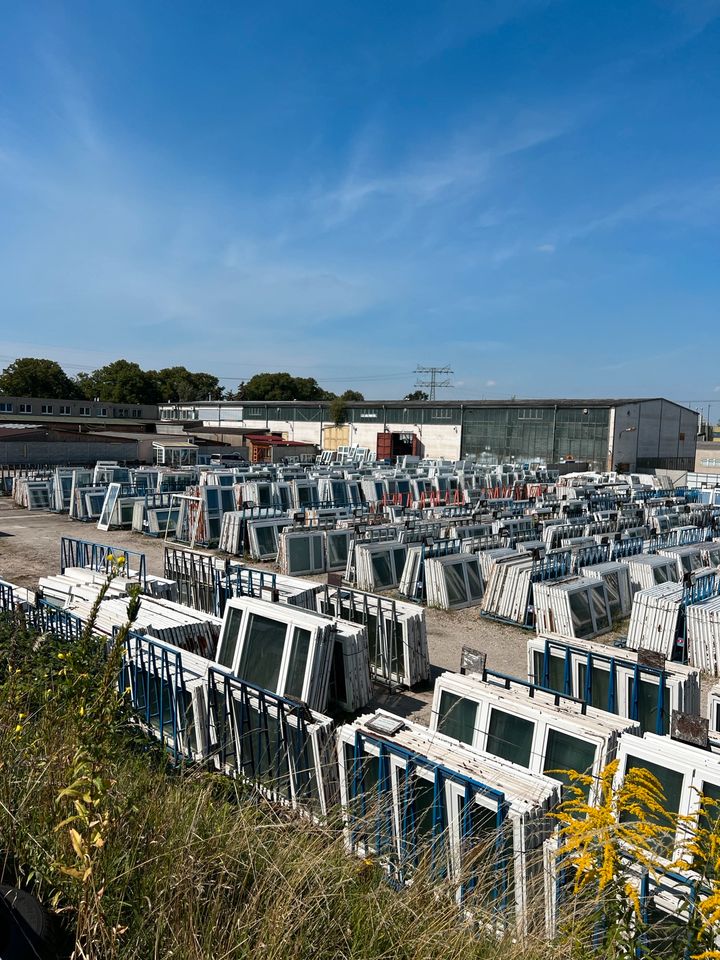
(125, 382)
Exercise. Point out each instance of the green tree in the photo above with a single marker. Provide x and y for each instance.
(416, 395)
(178, 384)
(283, 386)
(120, 382)
(34, 377)
(338, 406)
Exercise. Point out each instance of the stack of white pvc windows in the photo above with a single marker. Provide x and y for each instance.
(339, 493)
(612, 679)
(304, 494)
(713, 712)
(202, 712)
(656, 622)
(648, 570)
(279, 648)
(301, 552)
(263, 537)
(575, 608)
(507, 594)
(686, 774)
(617, 580)
(416, 798)
(711, 552)
(702, 621)
(397, 633)
(687, 559)
(453, 582)
(533, 732)
(378, 566)
(488, 559)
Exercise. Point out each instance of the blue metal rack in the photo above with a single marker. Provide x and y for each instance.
(628, 547)
(94, 556)
(588, 556)
(7, 597)
(411, 842)
(611, 661)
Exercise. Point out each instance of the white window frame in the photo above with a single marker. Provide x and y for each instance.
(542, 724)
(293, 620)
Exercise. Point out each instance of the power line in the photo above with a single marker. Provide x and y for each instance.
(433, 384)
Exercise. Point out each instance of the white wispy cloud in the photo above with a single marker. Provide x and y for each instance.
(432, 173)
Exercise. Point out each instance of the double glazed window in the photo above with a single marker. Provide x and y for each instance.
(589, 610)
(521, 734)
(457, 717)
(274, 653)
(510, 737)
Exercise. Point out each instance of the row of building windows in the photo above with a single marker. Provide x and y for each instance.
(710, 461)
(65, 410)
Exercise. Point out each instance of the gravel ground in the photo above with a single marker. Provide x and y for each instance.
(30, 549)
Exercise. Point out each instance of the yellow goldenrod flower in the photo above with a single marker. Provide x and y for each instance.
(18, 728)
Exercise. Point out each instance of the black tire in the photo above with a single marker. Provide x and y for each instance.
(26, 928)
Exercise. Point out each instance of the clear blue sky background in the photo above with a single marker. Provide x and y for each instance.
(527, 191)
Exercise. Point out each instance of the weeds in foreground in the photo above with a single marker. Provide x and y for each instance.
(145, 861)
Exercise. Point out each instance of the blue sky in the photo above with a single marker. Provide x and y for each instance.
(526, 190)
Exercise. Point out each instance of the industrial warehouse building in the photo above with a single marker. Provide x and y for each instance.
(620, 434)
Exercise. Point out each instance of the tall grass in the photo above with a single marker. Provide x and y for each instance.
(144, 861)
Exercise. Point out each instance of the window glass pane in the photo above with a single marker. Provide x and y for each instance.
(613, 590)
(374, 644)
(191, 739)
(262, 652)
(599, 608)
(580, 611)
(647, 705)
(337, 551)
(266, 538)
(474, 581)
(298, 662)
(600, 693)
(318, 562)
(709, 818)
(457, 717)
(661, 574)
(455, 583)
(510, 737)
(423, 800)
(226, 653)
(564, 752)
(382, 570)
(556, 679)
(299, 553)
(223, 728)
(399, 555)
(671, 782)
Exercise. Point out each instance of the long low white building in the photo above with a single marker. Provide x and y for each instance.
(621, 434)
